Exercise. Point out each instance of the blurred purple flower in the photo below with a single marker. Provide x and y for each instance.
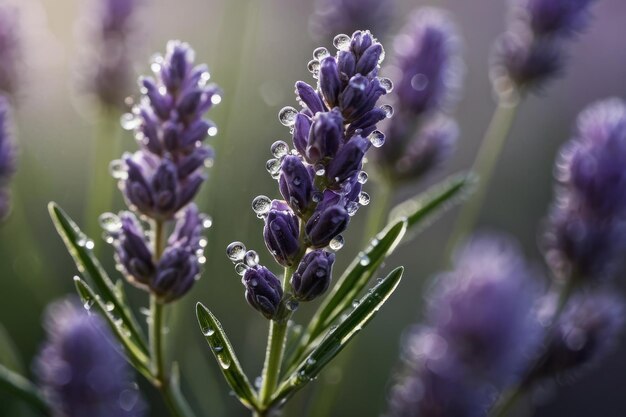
(10, 50)
(428, 72)
(584, 333)
(80, 370)
(586, 231)
(7, 155)
(347, 16)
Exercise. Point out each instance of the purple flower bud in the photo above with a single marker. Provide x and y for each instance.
(296, 184)
(10, 50)
(326, 223)
(326, 134)
(263, 291)
(346, 16)
(7, 155)
(483, 309)
(433, 145)
(347, 164)
(584, 334)
(329, 81)
(301, 132)
(188, 229)
(313, 276)
(346, 62)
(177, 271)
(369, 59)
(80, 368)
(309, 97)
(281, 233)
(428, 60)
(132, 252)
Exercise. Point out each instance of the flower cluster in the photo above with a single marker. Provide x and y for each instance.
(586, 232)
(9, 50)
(429, 71)
(480, 334)
(583, 334)
(110, 62)
(531, 52)
(161, 179)
(321, 179)
(7, 155)
(80, 370)
(346, 16)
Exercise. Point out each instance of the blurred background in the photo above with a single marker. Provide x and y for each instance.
(256, 50)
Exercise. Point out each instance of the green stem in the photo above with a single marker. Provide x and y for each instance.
(275, 350)
(156, 339)
(23, 389)
(485, 162)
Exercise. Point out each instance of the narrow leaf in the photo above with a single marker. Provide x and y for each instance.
(350, 285)
(23, 389)
(178, 397)
(134, 353)
(225, 356)
(80, 248)
(435, 200)
(9, 354)
(338, 338)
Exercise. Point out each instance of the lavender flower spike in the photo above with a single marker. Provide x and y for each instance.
(586, 231)
(531, 52)
(429, 72)
(80, 370)
(114, 41)
(7, 155)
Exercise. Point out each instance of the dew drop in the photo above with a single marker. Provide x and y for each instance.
(110, 222)
(224, 361)
(212, 131)
(364, 260)
(352, 207)
(217, 348)
(109, 306)
(320, 170)
(388, 110)
(117, 168)
(261, 205)
(208, 331)
(273, 166)
(386, 83)
(236, 251)
(292, 305)
(381, 58)
(320, 53)
(251, 258)
(355, 303)
(364, 198)
(129, 121)
(287, 116)
(88, 304)
(317, 196)
(419, 82)
(342, 42)
(377, 138)
(207, 222)
(336, 243)
(204, 78)
(310, 361)
(362, 178)
(313, 66)
(216, 99)
(279, 149)
(240, 268)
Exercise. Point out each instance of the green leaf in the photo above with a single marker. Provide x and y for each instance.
(436, 200)
(337, 339)
(9, 354)
(22, 388)
(134, 353)
(350, 285)
(80, 248)
(225, 356)
(179, 400)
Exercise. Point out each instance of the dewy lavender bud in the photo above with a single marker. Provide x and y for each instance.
(325, 136)
(281, 233)
(585, 332)
(345, 16)
(132, 251)
(10, 50)
(327, 222)
(530, 52)
(263, 291)
(7, 155)
(296, 184)
(80, 369)
(177, 271)
(313, 276)
(586, 231)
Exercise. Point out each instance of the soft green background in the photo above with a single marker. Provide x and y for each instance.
(256, 50)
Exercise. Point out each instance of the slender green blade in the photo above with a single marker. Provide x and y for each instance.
(80, 249)
(23, 389)
(338, 338)
(225, 356)
(178, 396)
(435, 200)
(350, 285)
(9, 354)
(135, 355)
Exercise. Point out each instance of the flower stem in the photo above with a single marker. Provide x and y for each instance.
(22, 388)
(156, 339)
(485, 162)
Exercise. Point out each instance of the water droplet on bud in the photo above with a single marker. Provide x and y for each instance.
(279, 149)
(388, 110)
(251, 258)
(386, 83)
(377, 138)
(241, 268)
(364, 198)
(261, 205)
(320, 53)
(352, 207)
(342, 42)
(110, 222)
(362, 177)
(287, 116)
(236, 251)
(129, 121)
(117, 168)
(337, 243)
